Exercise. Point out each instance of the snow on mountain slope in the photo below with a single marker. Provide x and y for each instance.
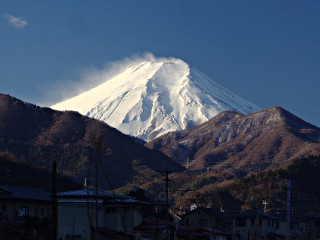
(156, 96)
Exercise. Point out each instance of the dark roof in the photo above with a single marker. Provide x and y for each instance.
(24, 193)
(126, 201)
(153, 223)
(254, 213)
(213, 231)
(84, 193)
(210, 211)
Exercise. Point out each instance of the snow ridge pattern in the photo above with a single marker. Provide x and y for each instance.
(156, 96)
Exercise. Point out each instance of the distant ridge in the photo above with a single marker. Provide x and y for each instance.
(156, 96)
(242, 143)
(41, 135)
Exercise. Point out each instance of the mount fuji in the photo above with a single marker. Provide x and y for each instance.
(154, 96)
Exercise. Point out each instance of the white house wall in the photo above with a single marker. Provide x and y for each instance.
(73, 219)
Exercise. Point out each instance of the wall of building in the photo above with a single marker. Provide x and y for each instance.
(269, 226)
(251, 227)
(123, 218)
(12, 208)
(200, 219)
(296, 228)
(73, 218)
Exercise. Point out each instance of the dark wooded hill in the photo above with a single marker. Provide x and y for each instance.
(242, 143)
(41, 135)
(16, 171)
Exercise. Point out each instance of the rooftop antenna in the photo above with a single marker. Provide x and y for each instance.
(265, 203)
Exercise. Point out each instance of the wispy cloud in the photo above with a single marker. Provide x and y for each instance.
(17, 22)
(89, 78)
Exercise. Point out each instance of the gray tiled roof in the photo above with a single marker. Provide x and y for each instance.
(90, 193)
(127, 201)
(25, 193)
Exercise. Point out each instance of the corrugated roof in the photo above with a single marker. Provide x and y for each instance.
(81, 193)
(25, 193)
(128, 201)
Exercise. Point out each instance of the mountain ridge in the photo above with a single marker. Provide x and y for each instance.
(42, 135)
(268, 138)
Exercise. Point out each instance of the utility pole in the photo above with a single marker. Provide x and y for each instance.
(97, 143)
(167, 202)
(157, 222)
(54, 201)
(288, 207)
(167, 205)
(73, 226)
(96, 205)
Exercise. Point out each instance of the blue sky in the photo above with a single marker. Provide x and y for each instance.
(265, 51)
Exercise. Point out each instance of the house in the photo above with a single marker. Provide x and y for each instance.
(156, 228)
(303, 225)
(202, 217)
(215, 234)
(18, 201)
(77, 217)
(254, 224)
(132, 235)
(208, 221)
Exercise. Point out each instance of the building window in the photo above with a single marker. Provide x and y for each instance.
(36, 212)
(42, 212)
(4, 207)
(23, 211)
(48, 212)
(187, 222)
(203, 222)
(294, 226)
(110, 210)
(140, 211)
(73, 237)
(240, 222)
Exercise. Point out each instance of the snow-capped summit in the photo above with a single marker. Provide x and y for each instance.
(155, 96)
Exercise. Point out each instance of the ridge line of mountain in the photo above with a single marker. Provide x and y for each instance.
(41, 135)
(240, 143)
